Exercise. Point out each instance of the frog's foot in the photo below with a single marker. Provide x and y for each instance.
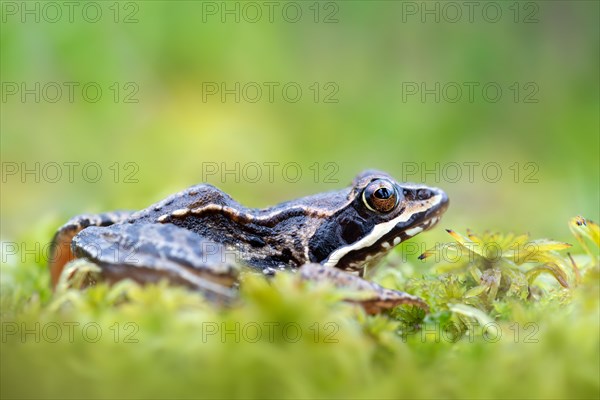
(60, 252)
(373, 297)
(148, 253)
(78, 274)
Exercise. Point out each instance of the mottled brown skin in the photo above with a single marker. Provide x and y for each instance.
(187, 237)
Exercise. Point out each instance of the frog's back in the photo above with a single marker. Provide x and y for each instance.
(180, 203)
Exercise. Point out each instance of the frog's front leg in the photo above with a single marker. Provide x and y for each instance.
(373, 297)
(148, 253)
(60, 252)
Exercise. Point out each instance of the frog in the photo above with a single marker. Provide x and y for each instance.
(203, 239)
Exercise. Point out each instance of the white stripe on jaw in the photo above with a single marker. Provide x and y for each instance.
(413, 231)
(377, 233)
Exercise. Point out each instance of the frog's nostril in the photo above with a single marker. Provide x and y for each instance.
(424, 194)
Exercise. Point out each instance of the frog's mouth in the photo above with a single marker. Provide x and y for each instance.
(415, 219)
(418, 223)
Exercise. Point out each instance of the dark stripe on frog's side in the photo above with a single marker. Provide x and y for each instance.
(241, 217)
(336, 233)
(258, 245)
(266, 238)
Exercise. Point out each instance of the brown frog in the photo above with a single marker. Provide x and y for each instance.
(200, 237)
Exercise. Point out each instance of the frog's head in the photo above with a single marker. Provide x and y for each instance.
(379, 214)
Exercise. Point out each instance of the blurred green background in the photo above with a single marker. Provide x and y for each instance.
(164, 54)
(378, 82)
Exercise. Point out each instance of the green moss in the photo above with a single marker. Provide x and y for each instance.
(286, 338)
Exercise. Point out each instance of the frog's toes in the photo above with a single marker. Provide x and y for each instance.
(373, 297)
(78, 274)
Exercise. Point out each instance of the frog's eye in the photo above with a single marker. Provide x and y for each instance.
(380, 196)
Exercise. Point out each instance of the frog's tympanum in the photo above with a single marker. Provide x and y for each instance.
(200, 237)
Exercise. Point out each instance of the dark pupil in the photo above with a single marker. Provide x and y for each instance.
(383, 193)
